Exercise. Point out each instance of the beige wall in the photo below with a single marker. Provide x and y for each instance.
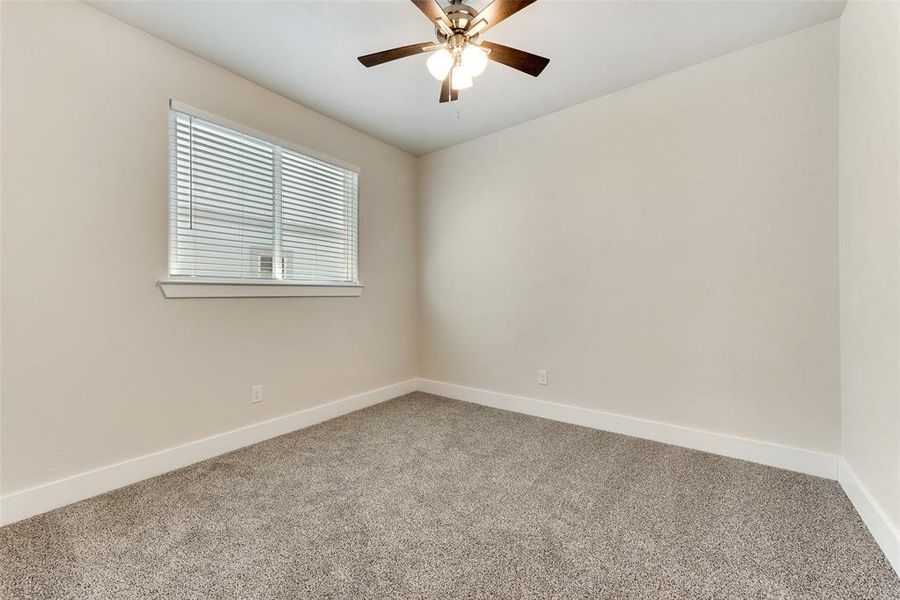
(97, 366)
(668, 251)
(870, 247)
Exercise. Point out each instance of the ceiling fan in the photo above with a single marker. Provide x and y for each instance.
(460, 54)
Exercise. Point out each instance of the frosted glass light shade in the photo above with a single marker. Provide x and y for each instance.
(460, 78)
(474, 60)
(439, 64)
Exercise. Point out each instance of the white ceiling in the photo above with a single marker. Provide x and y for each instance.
(306, 51)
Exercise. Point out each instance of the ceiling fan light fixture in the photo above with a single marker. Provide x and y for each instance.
(440, 63)
(460, 52)
(474, 60)
(460, 78)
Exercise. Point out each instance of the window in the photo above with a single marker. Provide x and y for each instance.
(246, 210)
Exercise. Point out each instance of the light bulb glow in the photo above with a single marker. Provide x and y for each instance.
(474, 60)
(460, 78)
(439, 64)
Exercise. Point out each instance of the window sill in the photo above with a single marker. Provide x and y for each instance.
(185, 288)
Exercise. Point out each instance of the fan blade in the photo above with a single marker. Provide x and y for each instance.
(370, 60)
(445, 90)
(433, 11)
(497, 11)
(448, 94)
(517, 59)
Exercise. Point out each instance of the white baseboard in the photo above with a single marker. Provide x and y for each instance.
(885, 533)
(42, 498)
(39, 499)
(775, 455)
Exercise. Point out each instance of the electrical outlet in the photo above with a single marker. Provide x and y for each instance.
(542, 377)
(256, 394)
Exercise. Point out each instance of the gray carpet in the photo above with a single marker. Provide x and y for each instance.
(428, 497)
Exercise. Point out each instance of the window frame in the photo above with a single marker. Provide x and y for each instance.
(187, 286)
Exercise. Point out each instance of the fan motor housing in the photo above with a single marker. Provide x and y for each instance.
(460, 15)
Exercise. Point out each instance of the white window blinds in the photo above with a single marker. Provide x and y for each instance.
(244, 208)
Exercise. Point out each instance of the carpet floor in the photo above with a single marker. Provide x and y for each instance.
(428, 497)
